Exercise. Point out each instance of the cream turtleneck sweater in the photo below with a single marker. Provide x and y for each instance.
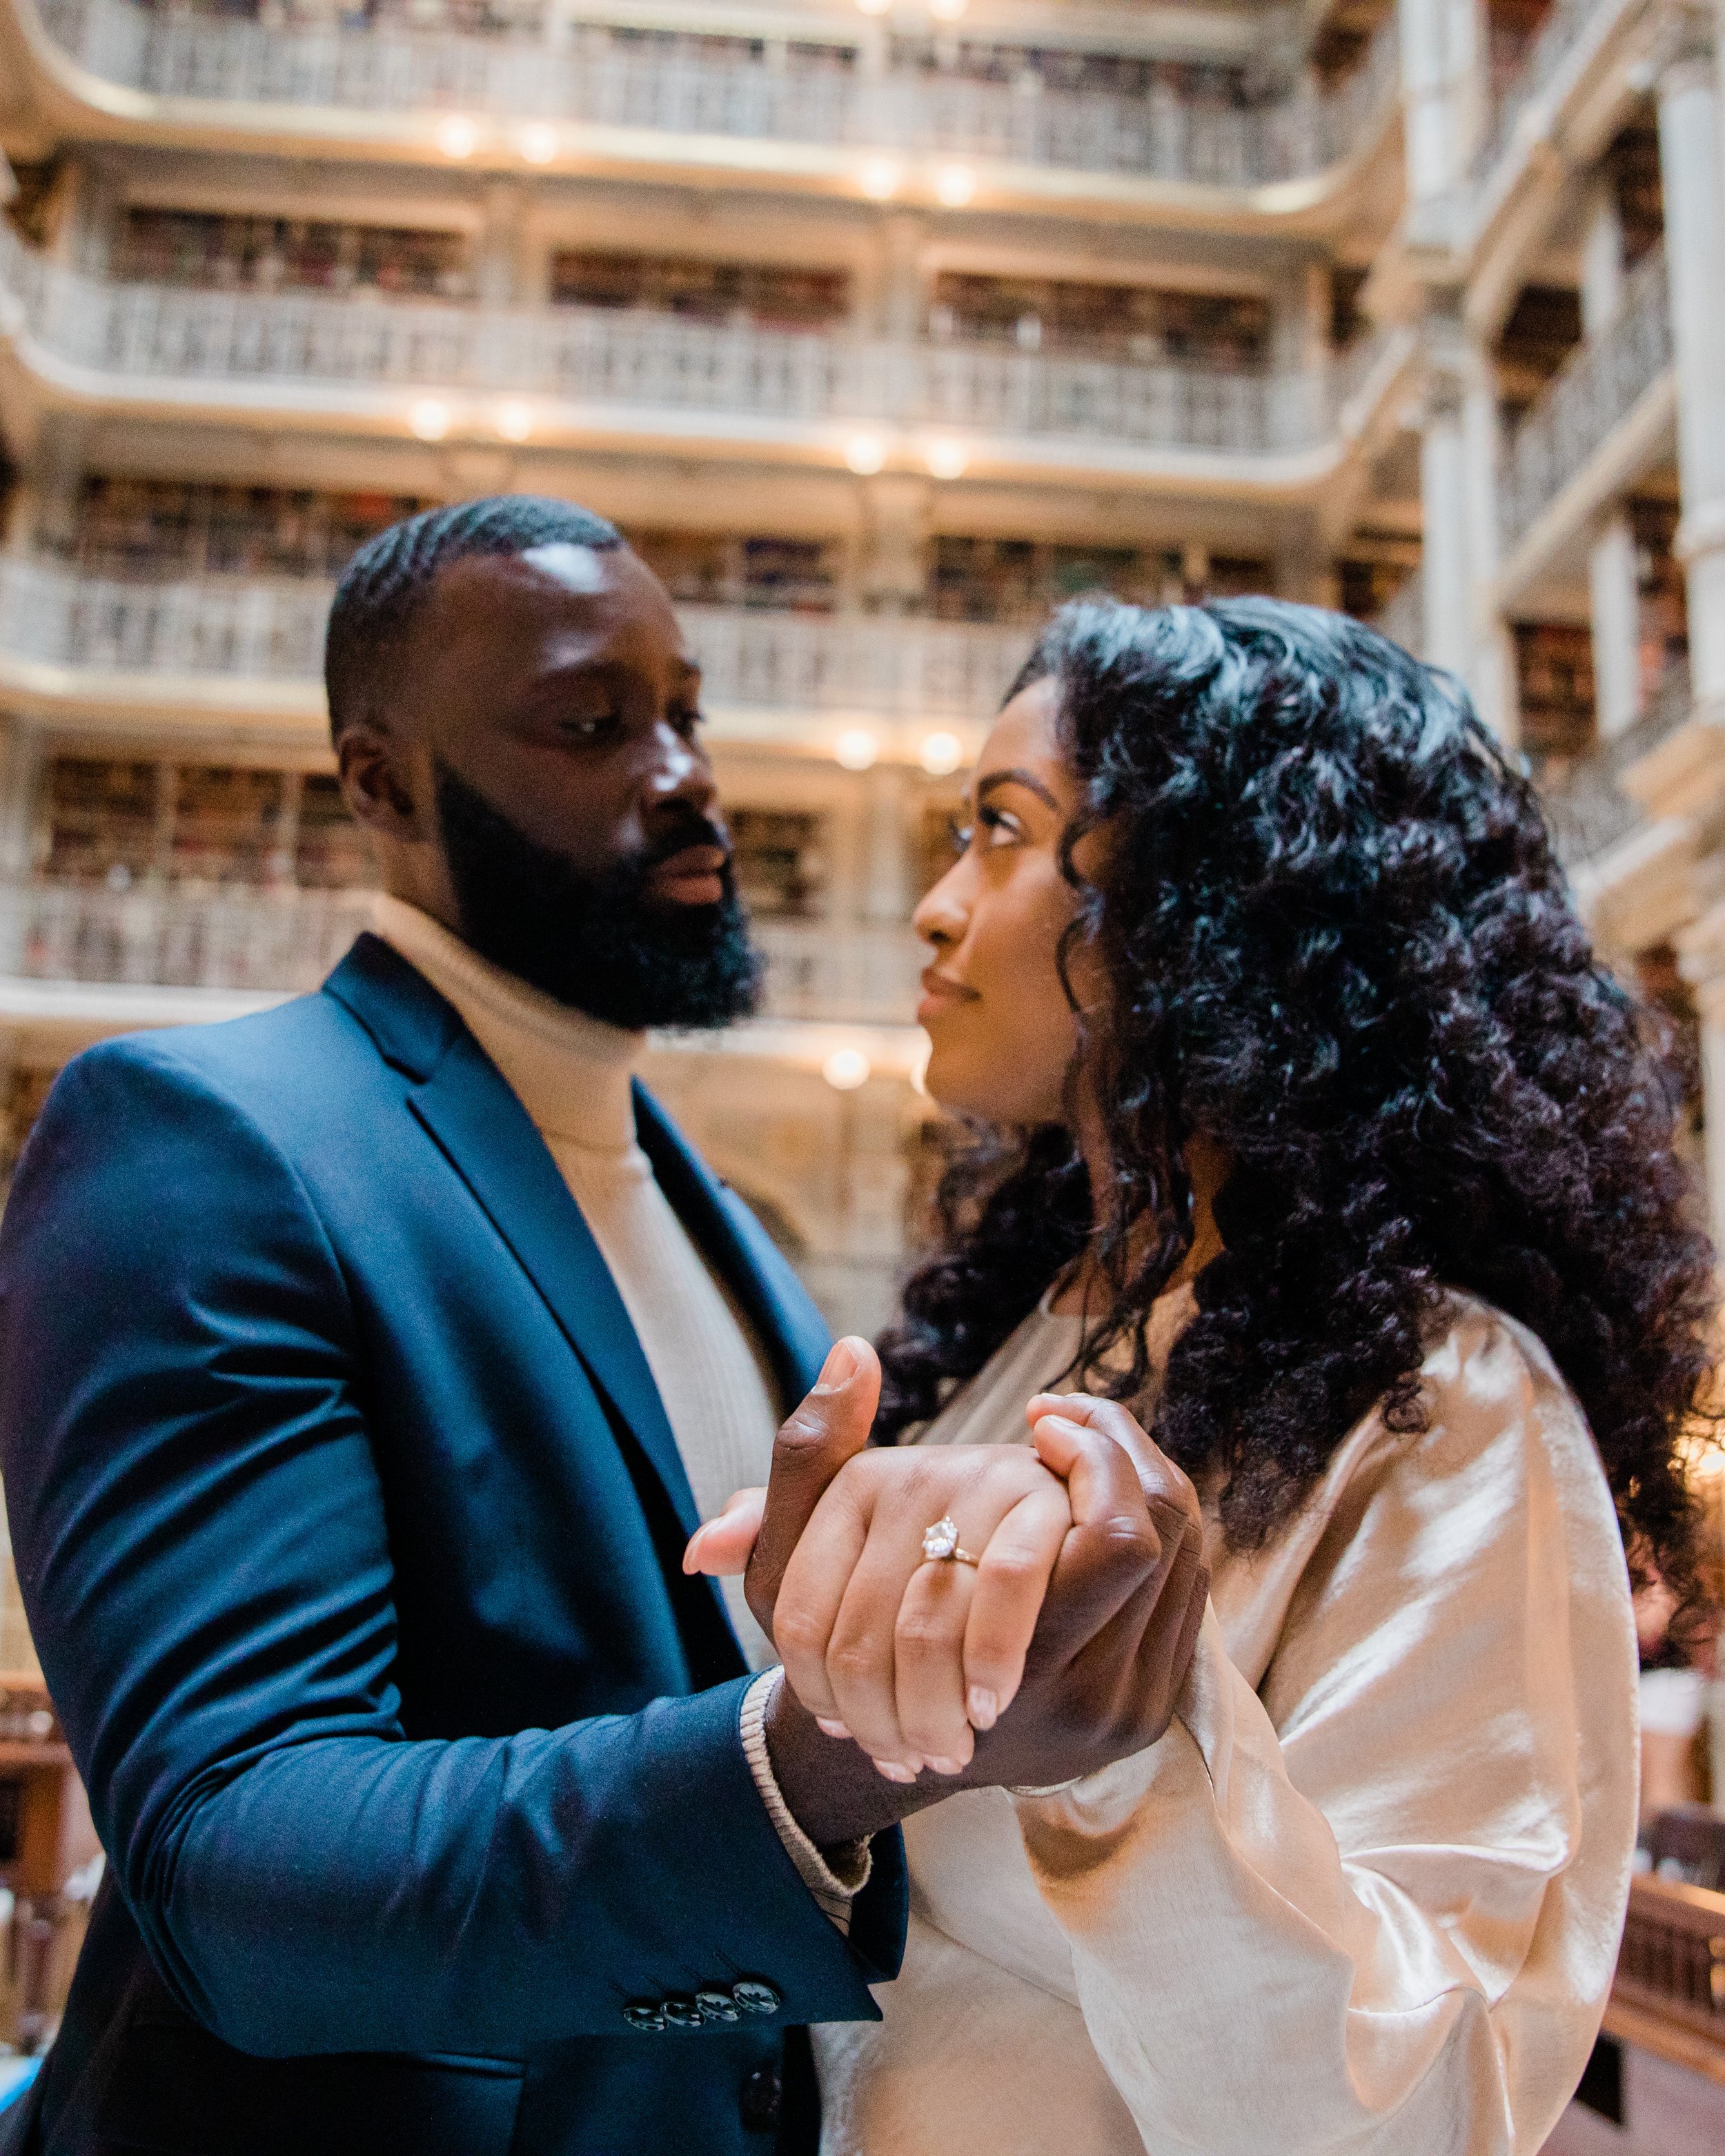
(573, 1075)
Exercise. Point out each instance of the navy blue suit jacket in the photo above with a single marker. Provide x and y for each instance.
(348, 1522)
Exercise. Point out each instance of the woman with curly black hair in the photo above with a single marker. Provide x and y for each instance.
(1308, 1125)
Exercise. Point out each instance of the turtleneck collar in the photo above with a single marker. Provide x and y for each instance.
(571, 1073)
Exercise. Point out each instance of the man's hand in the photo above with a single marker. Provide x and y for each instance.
(879, 1640)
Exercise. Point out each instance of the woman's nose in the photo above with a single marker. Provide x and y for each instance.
(941, 913)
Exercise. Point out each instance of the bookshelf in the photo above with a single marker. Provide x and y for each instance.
(1227, 330)
(768, 295)
(285, 254)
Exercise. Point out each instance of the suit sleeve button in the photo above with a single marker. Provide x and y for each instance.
(760, 2104)
(644, 2014)
(717, 2006)
(755, 1996)
(681, 2012)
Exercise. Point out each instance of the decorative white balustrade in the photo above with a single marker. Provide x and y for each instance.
(801, 93)
(1569, 25)
(648, 363)
(1595, 390)
(257, 629)
(233, 935)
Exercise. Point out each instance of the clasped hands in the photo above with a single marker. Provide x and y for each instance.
(1061, 1649)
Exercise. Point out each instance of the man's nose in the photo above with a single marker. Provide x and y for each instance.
(682, 772)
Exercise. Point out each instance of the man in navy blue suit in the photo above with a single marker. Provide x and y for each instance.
(366, 1365)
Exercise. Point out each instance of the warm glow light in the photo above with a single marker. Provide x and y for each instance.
(947, 11)
(538, 142)
(430, 420)
(855, 749)
(941, 753)
(514, 421)
(865, 453)
(946, 459)
(873, 7)
(457, 137)
(846, 1069)
(954, 185)
(879, 179)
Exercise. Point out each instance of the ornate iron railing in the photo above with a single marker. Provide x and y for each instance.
(273, 630)
(260, 937)
(594, 73)
(1596, 389)
(649, 362)
(1588, 810)
(1570, 24)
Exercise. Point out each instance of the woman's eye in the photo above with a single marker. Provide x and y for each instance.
(998, 827)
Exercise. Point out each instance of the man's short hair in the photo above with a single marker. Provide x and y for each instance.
(387, 581)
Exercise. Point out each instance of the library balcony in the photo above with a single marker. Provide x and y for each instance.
(1579, 75)
(845, 107)
(187, 650)
(634, 378)
(1607, 415)
(284, 940)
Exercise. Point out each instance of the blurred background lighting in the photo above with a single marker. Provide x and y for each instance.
(538, 142)
(513, 420)
(946, 459)
(846, 1069)
(954, 185)
(429, 419)
(457, 137)
(865, 453)
(940, 754)
(855, 749)
(879, 179)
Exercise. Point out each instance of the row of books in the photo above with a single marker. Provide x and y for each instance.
(120, 823)
(1142, 322)
(136, 527)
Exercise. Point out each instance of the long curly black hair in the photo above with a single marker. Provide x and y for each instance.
(1338, 941)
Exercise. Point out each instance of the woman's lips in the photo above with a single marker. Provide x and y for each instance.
(693, 876)
(940, 994)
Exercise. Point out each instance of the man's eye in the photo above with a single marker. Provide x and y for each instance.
(591, 729)
(688, 720)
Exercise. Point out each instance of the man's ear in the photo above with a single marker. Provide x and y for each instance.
(378, 784)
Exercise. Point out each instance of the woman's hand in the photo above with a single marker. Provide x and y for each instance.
(913, 1655)
(905, 1652)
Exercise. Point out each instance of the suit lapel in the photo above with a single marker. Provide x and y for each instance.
(474, 1118)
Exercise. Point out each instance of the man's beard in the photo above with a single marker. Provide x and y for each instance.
(601, 945)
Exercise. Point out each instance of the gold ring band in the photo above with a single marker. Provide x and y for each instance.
(940, 1544)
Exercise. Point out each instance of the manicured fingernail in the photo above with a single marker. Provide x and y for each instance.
(894, 1771)
(982, 1707)
(691, 1552)
(838, 1369)
(946, 1766)
(830, 1728)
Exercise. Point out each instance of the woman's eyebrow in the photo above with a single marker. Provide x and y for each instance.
(1016, 776)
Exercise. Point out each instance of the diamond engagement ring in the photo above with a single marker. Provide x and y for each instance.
(940, 1544)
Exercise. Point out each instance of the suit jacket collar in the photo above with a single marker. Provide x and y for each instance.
(480, 1126)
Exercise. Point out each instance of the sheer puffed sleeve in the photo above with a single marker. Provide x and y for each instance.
(1365, 1895)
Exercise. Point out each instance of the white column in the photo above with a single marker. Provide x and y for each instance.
(1601, 261)
(1689, 156)
(1446, 628)
(887, 895)
(1616, 600)
(1490, 679)
(894, 569)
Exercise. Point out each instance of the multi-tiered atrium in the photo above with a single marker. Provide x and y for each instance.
(879, 333)
(879, 326)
